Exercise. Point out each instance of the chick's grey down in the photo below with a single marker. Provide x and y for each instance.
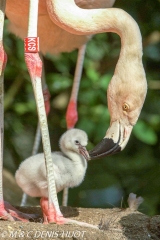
(69, 166)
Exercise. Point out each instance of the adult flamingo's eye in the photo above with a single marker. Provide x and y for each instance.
(125, 107)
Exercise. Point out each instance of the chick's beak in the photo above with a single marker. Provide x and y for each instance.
(83, 151)
(115, 141)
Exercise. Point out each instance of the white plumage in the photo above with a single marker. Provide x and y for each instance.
(69, 166)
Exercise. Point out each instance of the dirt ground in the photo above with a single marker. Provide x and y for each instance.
(114, 224)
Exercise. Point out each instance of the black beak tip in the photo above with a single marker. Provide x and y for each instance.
(105, 148)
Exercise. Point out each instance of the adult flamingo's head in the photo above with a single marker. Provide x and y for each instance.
(126, 96)
(127, 89)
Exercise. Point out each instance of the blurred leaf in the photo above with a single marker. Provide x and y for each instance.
(104, 81)
(145, 133)
(22, 108)
(92, 74)
(152, 53)
(58, 82)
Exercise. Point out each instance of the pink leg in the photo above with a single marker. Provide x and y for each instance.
(7, 212)
(3, 59)
(34, 65)
(71, 115)
(46, 96)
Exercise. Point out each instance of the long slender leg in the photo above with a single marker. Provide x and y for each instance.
(7, 212)
(72, 114)
(37, 139)
(34, 65)
(3, 59)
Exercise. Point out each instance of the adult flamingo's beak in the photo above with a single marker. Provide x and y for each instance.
(115, 141)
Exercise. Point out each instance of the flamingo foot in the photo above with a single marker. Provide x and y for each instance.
(8, 212)
(71, 115)
(51, 216)
(4, 214)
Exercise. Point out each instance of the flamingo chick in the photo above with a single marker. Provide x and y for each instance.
(69, 169)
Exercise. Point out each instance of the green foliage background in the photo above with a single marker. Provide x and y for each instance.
(108, 180)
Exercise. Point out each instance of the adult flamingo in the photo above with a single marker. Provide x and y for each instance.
(125, 97)
(58, 41)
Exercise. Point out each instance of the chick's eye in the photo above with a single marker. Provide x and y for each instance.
(76, 142)
(125, 107)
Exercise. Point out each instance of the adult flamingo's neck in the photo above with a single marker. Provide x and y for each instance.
(67, 15)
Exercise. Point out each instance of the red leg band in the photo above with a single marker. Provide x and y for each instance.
(31, 44)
